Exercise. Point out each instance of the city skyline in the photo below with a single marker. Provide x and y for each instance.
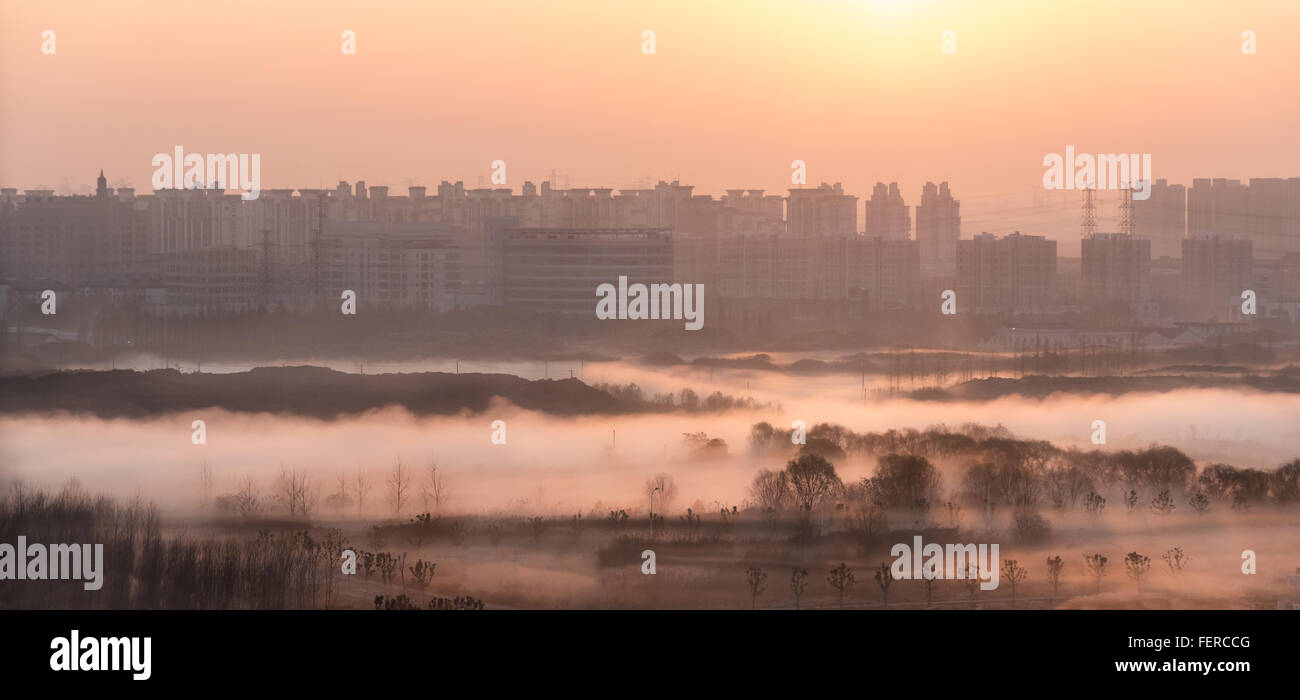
(963, 309)
(443, 96)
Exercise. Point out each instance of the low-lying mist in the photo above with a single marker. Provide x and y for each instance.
(551, 465)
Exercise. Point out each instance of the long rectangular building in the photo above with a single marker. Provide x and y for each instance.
(559, 269)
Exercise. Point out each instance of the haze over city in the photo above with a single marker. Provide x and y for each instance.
(622, 305)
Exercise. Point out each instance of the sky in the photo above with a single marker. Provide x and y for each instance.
(860, 90)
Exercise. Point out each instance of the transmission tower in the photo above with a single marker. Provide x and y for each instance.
(1089, 211)
(1126, 211)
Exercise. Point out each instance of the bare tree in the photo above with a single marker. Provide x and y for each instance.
(798, 582)
(339, 500)
(1055, 573)
(1094, 503)
(952, 514)
(361, 486)
(841, 579)
(1163, 504)
(771, 490)
(422, 572)
(1095, 564)
(436, 491)
(1137, 566)
(248, 500)
(667, 491)
(757, 584)
(971, 584)
(1131, 500)
(399, 488)
(293, 491)
(1175, 559)
(1013, 573)
(928, 579)
(205, 486)
(884, 578)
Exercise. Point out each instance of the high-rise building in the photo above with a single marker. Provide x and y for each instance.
(1267, 211)
(887, 216)
(1215, 271)
(78, 240)
(1275, 216)
(882, 273)
(1012, 274)
(1162, 218)
(559, 270)
(1116, 267)
(938, 226)
(824, 211)
(398, 267)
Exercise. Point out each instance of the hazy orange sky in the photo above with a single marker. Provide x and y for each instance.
(858, 89)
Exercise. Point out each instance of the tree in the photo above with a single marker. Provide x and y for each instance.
(1131, 500)
(436, 491)
(841, 579)
(205, 486)
(339, 500)
(757, 584)
(952, 514)
(1163, 504)
(1095, 565)
(798, 582)
(1013, 573)
(248, 501)
(1175, 559)
(399, 488)
(928, 579)
(760, 437)
(1137, 566)
(1055, 573)
(1094, 503)
(422, 571)
(537, 527)
(971, 583)
(1199, 502)
(771, 490)
(1285, 485)
(906, 479)
(361, 486)
(813, 480)
(884, 578)
(293, 491)
(667, 491)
